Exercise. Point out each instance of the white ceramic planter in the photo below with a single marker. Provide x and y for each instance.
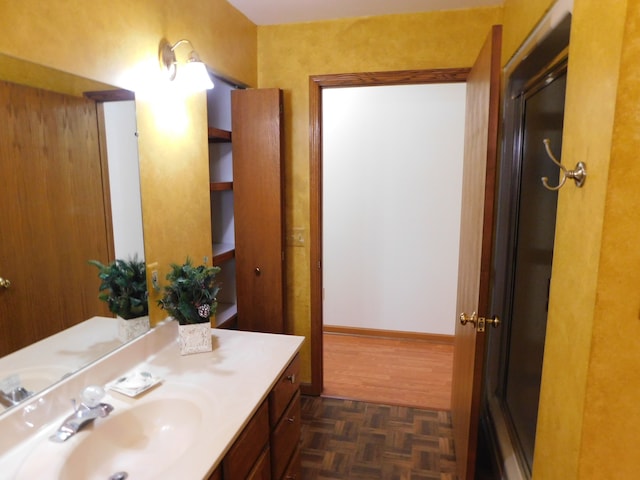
(195, 338)
(132, 328)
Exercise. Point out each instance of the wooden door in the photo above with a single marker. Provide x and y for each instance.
(52, 214)
(258, 208)
(476, 238)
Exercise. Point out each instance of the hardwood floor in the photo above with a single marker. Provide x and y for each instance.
(388, 371)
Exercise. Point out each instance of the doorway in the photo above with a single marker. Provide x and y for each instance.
(523, 251)
(317, 84)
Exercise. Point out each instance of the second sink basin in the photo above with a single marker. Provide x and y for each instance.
(36, 378)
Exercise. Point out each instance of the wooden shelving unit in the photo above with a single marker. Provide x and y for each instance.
(222, 201)
(223, 252)
(245, 179)
(226, 315)
(220, 186)
(217, 135)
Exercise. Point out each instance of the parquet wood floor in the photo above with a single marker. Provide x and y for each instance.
(351, 440)
(388, 371)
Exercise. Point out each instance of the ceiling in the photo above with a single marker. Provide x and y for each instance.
(273, 12)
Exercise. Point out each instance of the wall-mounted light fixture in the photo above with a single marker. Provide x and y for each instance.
(192, 74)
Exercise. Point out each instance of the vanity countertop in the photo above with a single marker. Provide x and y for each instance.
(225, 386)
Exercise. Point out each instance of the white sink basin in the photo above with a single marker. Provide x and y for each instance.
(144, 441)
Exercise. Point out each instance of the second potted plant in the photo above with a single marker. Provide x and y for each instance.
(191, 299)
(124, 288)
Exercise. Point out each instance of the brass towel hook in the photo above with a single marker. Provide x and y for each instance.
(579, 174)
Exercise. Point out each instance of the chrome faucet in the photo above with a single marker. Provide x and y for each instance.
(90, 409)
(11, 392)
(14, 397)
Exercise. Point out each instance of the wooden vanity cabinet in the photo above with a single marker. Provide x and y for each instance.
(285, 437)
(262, 468)
(248, 448)
(216, 475)
(285, 423)
(294, 469)
(269, 446)
(284, 390)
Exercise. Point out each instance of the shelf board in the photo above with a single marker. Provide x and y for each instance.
(225, 313)
(223, 252)
(217, 135)
(220, 186)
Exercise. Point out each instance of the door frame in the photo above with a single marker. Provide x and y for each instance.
(316, 85)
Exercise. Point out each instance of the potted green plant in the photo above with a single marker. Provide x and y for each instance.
(124, 288)
(191, 298)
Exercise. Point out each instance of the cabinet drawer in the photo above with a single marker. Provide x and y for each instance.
(262, 469)
(247, 448)
(294, 469)
(283, 391)
(285, 438)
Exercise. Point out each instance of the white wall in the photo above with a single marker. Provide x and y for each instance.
(124, 179)
(392, 181)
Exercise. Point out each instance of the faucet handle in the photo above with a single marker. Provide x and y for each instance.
(92, 395)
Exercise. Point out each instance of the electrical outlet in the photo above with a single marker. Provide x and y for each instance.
(296, 237)
(154, 280)
(155, 277)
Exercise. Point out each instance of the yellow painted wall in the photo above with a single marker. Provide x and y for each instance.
(289, 54)
(587, 407)
(116, 42)
(520, 17)
(611, 419)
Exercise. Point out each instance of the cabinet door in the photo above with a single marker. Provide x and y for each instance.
(294, 469)
(248, 448)
(285, 438)
(258, 208)
(284, 390)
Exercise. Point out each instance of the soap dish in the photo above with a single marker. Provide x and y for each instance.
(135, 383)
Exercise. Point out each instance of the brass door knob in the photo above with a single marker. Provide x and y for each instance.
(4, 283)
(479, 322)
(464, 318)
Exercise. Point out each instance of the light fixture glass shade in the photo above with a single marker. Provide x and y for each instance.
(193, 76)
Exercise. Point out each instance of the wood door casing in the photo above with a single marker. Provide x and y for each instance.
(258, 197)
(53, 215)
(476, 239)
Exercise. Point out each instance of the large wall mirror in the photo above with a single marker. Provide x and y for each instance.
(70, 193)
